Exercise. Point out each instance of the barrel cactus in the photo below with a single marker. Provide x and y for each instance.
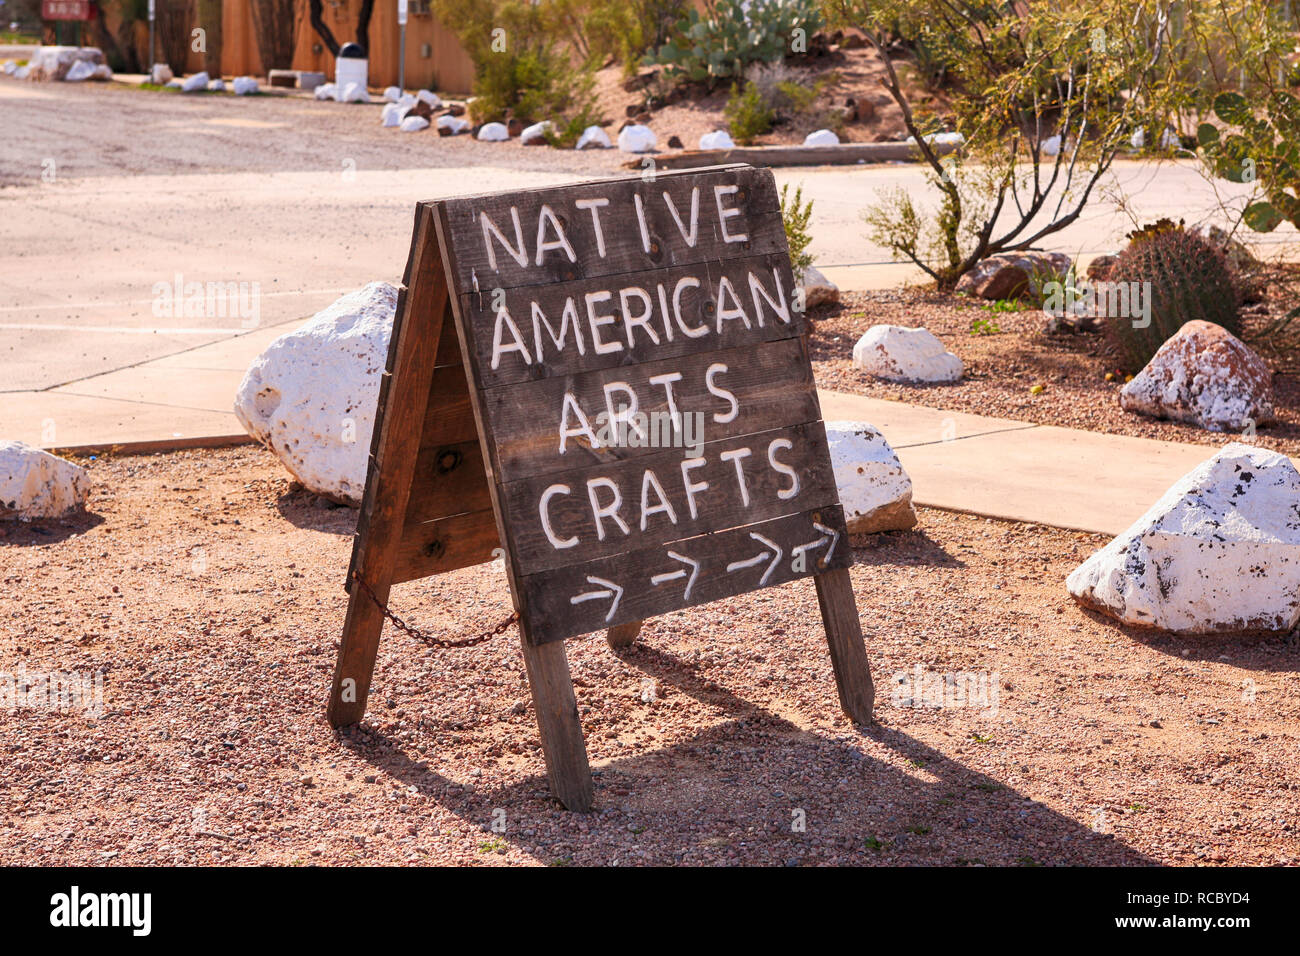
(1189, 278)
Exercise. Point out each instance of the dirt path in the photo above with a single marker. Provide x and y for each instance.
(210, 593)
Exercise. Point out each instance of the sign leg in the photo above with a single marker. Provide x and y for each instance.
(557, 719)
(844, 638)
(621, 636)
(356, 661)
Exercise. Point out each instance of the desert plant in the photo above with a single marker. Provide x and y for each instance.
(621, 29)
(795, 216)
(520, 67)
(748, 115)
(1083, 74)
(731, 34)
(1265, 150)
(1187, 277)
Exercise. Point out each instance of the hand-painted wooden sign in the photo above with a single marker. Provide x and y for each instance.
(625, 407)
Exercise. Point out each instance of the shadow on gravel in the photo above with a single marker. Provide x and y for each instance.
(303, 509)
(47, 531)
(901, 547)
(1253, 650)
(756, 788)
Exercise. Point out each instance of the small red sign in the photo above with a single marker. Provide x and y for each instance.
(65, 9)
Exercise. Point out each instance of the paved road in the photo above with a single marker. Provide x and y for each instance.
(297, 201)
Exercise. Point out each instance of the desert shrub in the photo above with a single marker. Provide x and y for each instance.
(748, 116)
(795, 216)
(1189, 279)
(1264, 149)
(727, 37)
(620, 29)
(520, 68)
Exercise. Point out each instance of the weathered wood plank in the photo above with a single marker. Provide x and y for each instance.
(445, 544)
(684, 401)
(803, 481)
(844, 639)
(567, 770)
(629, 319)
(622, 636)
(604, 228)
(636, 585)
(448, 479)
(416, 331)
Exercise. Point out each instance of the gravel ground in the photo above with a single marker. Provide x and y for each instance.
(1003, 367)
(221, 132)
(208, 590)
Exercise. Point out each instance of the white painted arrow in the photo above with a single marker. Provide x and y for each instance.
(760, 558)
(834, 539)
(667, 576)
(608, 589)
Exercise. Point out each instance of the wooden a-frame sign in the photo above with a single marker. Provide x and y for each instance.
(609, 383)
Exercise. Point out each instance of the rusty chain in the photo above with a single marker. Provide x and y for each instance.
(430, 639)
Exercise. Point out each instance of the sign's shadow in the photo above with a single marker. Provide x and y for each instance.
(738, 791)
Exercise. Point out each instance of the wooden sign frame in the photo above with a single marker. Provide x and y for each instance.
(433, 503)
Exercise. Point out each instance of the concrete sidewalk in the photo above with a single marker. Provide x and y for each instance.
(988, 466)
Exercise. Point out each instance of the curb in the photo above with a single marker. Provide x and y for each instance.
(152, 446)
(845, 154)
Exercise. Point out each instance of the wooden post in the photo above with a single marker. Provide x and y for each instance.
(399, 419)
(621, 636)
(567, 769)
(844, 638)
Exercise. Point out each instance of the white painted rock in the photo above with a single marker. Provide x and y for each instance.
(1206, 376)
(413, 124)
(1218, 553)
(21, 72)
(392, 114)
(593, 137)
(217, 86)
(407, 100)
(392, 94)
(310, 397)
(817, 289)
(324, 91)
(7, 67)
(161, 74)
(452, 125)
(78, 71)
(493, 133)
(173, 84)
(536, 134)
(874, 489)
(635, 138)
(430, 97)
(55, 62)
(1051, 146)
(36, 484)
(195, 84)
(244, 85)
(900, 354)
(352, 93)
(821, 137)
(102, 72)
(718, 139)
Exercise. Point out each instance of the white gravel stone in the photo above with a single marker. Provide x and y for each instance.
(821, 137)
(899, 354)
(324, 92)
(392, 94)
(195, 84)
(310, 397)
(36, 484)
(392, 113)
(352, 93)
(874, 489)
(414, 124)
(79, 71)
(718, 139)
(161, 74)
(244, 85)
(217, 86)
(636, 139)
(430, 97)
(454, 124)
(1218, 553)
(593, 137)
(493, 133)
(536, 132)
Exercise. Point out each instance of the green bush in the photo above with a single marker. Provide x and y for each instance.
(795, 216)
(621, 29)
(748, 116)
(520, 68)
(727, 37)
(1189, 279)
